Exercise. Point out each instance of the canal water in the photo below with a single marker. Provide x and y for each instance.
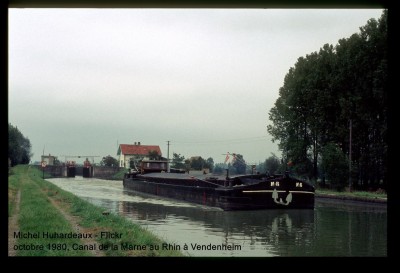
(333, 228)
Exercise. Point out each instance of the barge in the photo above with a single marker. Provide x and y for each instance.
(237, 192)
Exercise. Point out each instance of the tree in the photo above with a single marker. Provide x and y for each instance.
(210, 164)
(335, 166)
(364, 83)
(19, 147)
(109, 161)
(197, 163)
(153, 155)
(239, 164)
(178, 161)
(327, 89)
(272, 164)
(261, 168)
(187, 165)
(220, 168)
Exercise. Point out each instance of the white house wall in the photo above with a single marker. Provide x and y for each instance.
(125, 159)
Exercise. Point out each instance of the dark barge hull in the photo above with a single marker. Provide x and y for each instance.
(260, 193)
(87, 172)
(71, 171)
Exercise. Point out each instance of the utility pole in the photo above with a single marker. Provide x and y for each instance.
(43, 164)
(168, 169)
(350, 128)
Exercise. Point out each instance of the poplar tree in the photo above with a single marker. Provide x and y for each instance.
(323, 92)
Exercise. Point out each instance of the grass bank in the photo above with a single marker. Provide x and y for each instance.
(354, 195)
(14, 184)
(47, 210)
(119, 175)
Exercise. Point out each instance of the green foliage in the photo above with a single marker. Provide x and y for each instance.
(197, 163)
(120, 174)
(335, 166)
(153, 155)
(187, 165)
(210, 163)
(178, 161)
(37, 214)
(239, 164)
(14, 183)
(327, 89)
(19, 147)
(272, 164)
(220, 168)
(109, 161)
(355, 194)
(261, 167)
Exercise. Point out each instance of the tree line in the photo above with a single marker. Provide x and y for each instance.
(194, 163)
(334, 102)
(19, 147)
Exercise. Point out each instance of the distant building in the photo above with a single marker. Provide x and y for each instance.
(135, 152)
(50, 159)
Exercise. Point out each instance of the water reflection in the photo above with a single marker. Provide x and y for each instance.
(350, 229)
(331, 229)
(258, 233)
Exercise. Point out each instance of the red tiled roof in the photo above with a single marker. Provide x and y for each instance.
(129, 149)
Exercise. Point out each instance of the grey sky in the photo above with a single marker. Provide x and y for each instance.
(83, 80)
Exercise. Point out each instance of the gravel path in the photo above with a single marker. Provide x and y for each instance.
(73, 220)
(13, 226)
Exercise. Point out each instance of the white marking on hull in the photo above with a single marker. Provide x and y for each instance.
(278, 191)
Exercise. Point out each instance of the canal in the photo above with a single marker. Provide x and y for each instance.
(333, 228)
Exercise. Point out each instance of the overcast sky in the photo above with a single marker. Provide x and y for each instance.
(82, 81)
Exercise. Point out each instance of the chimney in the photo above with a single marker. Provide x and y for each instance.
(138, 143)
(135, 142)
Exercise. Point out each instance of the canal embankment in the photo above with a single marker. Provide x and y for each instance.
(45, 220)
(356, 196)
(117, 173)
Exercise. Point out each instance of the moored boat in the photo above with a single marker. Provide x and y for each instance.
(237, 192)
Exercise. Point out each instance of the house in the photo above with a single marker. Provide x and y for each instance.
(135, 152)
(49, 159)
